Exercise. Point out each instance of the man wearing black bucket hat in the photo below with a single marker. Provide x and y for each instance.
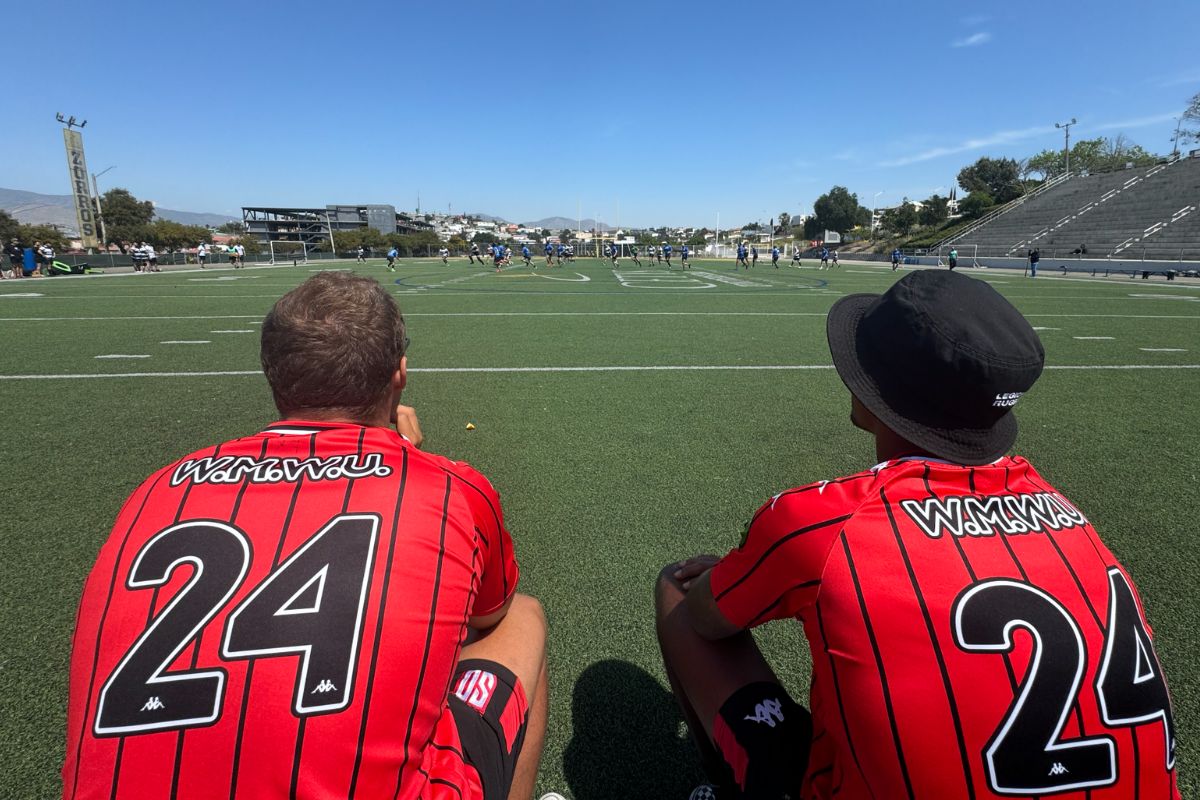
(971, 636)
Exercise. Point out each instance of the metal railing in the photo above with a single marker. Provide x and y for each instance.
(1004, 209)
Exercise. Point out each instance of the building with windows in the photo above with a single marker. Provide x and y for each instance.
(314, 225)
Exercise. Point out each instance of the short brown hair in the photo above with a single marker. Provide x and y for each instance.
(331, 345)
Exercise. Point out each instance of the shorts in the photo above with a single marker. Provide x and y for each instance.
(497, 259)
(491, 713)
(764, 737)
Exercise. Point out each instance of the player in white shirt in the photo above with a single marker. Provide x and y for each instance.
(241, 256)
(445, 254)
(151, 257)
(202, 255)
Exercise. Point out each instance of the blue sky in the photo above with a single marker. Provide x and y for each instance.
(641, 113)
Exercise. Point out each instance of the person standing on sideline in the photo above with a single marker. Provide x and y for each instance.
(202, 255)
(895, 259)
(953, 257)
(939, 590)
(361, 255)
(348, 601)
(16, 258)
(1034, 257)
(796, 262)
(240, 249)
(45, 252)
(824, 258)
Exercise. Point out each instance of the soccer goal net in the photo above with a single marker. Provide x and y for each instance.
(285, 251)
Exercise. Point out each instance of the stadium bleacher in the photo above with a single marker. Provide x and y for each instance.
(1150, 213)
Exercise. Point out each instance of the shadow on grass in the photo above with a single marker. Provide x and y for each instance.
(628, 740)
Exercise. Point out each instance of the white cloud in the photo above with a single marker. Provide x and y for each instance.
(1179, 79)
(999, 137)
(1138, 122)
(974, 40)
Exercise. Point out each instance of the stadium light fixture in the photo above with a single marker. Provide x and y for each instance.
(1066, 129)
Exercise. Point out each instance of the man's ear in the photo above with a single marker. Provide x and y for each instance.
(400, 376)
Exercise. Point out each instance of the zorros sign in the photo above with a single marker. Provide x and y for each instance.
(85, 212)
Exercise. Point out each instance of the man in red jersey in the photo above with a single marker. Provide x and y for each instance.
(970, 635)
(316, 610)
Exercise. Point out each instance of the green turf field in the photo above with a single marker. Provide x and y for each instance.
(627, 418)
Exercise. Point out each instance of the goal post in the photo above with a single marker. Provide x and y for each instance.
(968, 254)
(283, 251)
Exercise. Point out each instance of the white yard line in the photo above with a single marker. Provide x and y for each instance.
(241, 330)
(123, 355)
(655, 368)
(1163, 349)
(187, 341)
(258, 317)
(1095, 338)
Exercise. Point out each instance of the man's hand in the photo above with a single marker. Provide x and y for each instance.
(689, 569)
(407, 425)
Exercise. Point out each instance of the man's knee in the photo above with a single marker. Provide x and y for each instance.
(528, 613)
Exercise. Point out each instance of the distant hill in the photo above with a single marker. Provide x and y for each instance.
(32, 208)
(556, 224)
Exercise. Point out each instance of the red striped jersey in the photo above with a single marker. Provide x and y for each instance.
(971, 637)
(281, 615)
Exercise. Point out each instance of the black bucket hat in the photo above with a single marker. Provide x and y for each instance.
(941, 359)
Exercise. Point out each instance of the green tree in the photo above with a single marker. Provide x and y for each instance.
(29, 234)
(125, 217)
(837, 210)
(171, 236)
(1000, 178)
(1191, 119)
(9, 228)
(976, 204)
(785, 221)
(545, 234)
(232, 227)
(1048, 163)
(934, 211)
(566, 235)
(697, 239)
(901, 219)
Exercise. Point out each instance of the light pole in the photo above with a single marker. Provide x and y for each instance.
(1066, 129)
(100, 211)
(1175, 138)
(873, 199)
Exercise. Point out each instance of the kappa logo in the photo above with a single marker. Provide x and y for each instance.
(153, 704)
(324, 686)
(1007, 399)
(1058, 769)
(768, 711)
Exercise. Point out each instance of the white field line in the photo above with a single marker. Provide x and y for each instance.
(657, 368)
(187, 341)
(240, 330)
(1163, 349)
(122, 355)
(1095, 338)
(258, 317)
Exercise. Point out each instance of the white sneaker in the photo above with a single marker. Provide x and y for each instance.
(705, 791)
(552, 796)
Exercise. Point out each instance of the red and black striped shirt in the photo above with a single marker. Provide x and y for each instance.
(281, 615)
(971, 637)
